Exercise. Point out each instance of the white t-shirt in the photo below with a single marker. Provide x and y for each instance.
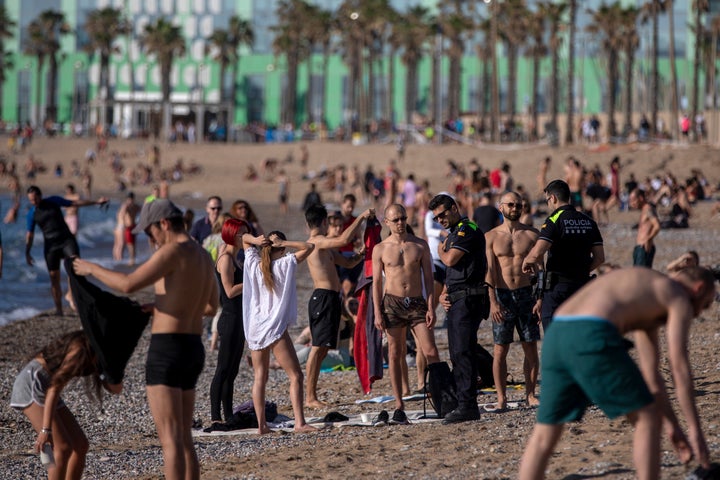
(268, 314)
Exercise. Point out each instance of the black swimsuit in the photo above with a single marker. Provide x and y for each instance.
(175, 360)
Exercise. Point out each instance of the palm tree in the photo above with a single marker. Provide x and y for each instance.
(6, 31)
(224, 45)
(569, 127)
(628, 32)
(514, 18)
(455, 25)
(35, 46)
(103, 27)
(673, 70)
(604, 25)
(289, 41)
(241, 33)
(553, 13)
(700, 7)
(651, 11)
(44, 33)
(351, 26)
(484, 51)
(715, 33)
(166, 42)
(318, 27)
(536, 50)
(325, 24)
(410, 34)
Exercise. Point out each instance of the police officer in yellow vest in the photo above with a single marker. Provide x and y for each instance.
(574, 246)
(464, 297)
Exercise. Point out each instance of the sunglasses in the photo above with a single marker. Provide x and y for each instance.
(441, 215)
(217, 209)
(513, 204)
(397, 220)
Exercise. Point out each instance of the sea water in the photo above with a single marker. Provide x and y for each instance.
(25, 289)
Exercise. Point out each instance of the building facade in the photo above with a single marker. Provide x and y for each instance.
(262, 76)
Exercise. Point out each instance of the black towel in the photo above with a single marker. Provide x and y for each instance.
(113, 324)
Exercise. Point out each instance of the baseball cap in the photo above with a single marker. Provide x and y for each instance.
(153, 212)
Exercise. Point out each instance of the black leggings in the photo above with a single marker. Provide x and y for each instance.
(232, 343)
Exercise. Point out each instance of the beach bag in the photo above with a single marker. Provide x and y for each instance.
(440, 385)
(484, 365)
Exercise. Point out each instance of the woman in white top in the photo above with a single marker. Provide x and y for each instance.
(269, 308)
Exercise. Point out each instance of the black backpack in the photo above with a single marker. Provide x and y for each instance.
(440, 386)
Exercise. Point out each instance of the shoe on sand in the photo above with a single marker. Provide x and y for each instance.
(399, 418)
(461, 415)
(381, 419)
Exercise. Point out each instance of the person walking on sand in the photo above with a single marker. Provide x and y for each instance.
(185, 291)
(269, 308)
(324, 307)
(585, 360)
(36, 392)
(59, 241)
(230, 323)
(399, 303)
(512, 301)
(648, 228)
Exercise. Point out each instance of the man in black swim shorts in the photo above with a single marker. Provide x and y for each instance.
(185, 291)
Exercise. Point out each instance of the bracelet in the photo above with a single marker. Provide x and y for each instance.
(46, 430)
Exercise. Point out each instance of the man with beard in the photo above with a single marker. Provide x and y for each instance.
(512, 302)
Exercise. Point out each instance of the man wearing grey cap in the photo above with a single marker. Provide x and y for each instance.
(185, 291)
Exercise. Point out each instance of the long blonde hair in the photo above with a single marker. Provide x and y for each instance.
(266, 261)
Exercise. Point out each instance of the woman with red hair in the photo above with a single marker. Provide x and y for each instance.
(230, 324)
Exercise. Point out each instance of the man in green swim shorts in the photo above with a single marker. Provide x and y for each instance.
(585, 360)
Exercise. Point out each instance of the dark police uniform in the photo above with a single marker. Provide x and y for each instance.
(467, 292)
(572, 235)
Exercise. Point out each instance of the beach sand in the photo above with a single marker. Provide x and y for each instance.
(123, 443)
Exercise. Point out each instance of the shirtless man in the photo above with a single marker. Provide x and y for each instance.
(648, 228)
(324, 306)
(71, 213)
(405, 259)
(586, 360)
(541, 178)
(511, 305)
(185, 290)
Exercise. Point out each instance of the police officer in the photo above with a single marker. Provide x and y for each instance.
(465, 297)
(574, 246)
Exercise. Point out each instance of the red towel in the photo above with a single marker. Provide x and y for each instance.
(367, 342)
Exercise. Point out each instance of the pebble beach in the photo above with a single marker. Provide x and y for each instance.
(123, 443)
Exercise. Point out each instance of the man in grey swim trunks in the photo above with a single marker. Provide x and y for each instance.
(185, 291)
(585, 360)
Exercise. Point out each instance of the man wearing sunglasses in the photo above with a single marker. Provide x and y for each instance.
(574, 246)
(512, 300)
(464, 297)
(203, 227)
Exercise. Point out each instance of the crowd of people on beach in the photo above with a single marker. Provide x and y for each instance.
(471, 251)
